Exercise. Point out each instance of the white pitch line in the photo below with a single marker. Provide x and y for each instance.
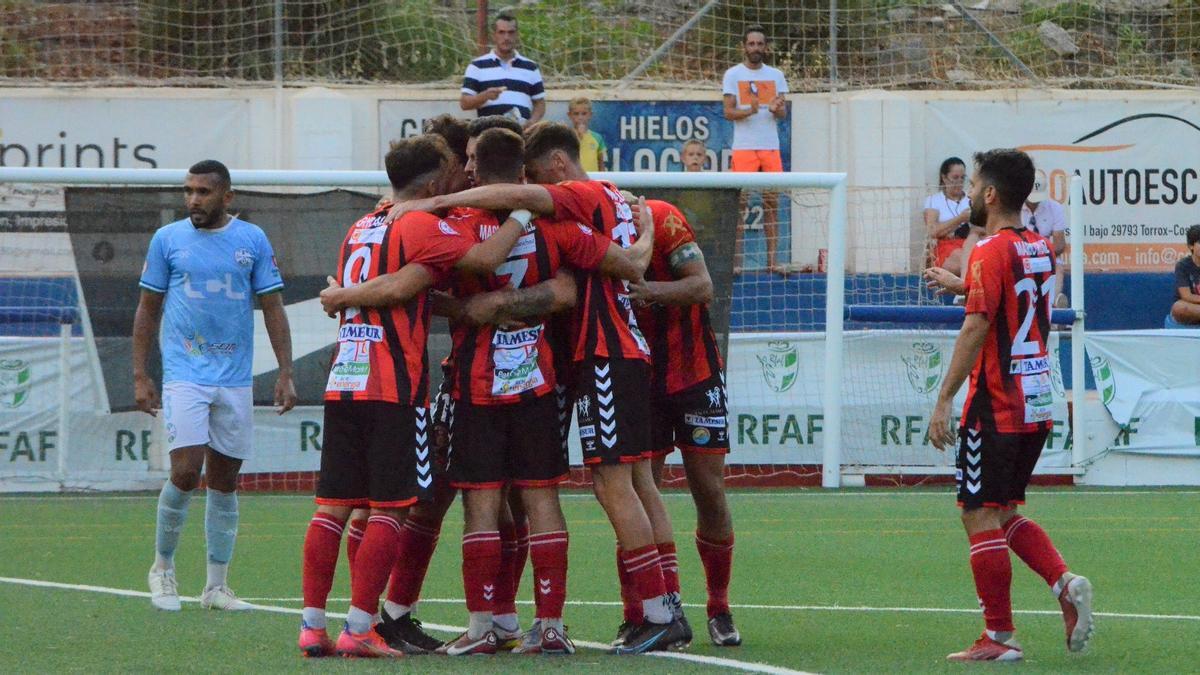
(764, 493)
(804, 608)
(745, 666)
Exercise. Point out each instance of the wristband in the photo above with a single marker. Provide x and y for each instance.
(522, 216)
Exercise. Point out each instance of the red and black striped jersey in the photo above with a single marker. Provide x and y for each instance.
(604, 324)
(683, 348)
(380, 353)
(495, 366)
(1010, 280)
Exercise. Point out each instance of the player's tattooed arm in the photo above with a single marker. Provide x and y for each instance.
(642, 249)
(692, 284)
(444, 304)
(515, 304)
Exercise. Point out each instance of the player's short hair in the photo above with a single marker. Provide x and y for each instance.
(212, 166)
(500, 156)
(543, 138)
(453, 130)
(1008, 170)
(944, 169)
(481, 124)
(753, 28)
(694, 141)
(1193, 235)
(580, 100)
(413, 159)
(505, 15)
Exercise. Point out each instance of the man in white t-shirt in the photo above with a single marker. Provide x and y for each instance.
(753, 93)
(1045, 215)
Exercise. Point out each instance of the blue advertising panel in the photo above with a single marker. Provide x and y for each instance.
(648, 135)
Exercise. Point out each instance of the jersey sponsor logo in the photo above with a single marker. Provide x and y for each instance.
(780, 365)
(1029, 249)
(587, 431)
(715, 422)
(583, 407)
(1036, 265)
(715, 396)
(1038, 399)
(517, 338)
(359, 332)
(351, 369)
(923, 367)
(243, 257)
(515, 354)
(1029, 366)
(525, 245)
(701, 436)
(371, 234)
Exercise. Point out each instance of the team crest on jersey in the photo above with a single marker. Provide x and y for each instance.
(446, 229)
(923, 367)
(243, 257)
(780, 365)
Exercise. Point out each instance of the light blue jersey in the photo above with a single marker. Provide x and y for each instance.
(210, 278)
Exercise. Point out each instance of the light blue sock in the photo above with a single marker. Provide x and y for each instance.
(172, 512)
(220, 529)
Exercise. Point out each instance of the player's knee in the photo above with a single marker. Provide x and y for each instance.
(186, 478)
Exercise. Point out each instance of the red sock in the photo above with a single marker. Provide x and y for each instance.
(418, 539)
(374, 559)
(321, 544)
(548, 551)
(645, 571)
(669, 563)
(717, 558)
(480, 567)
(993, 576)
(354, 535)
(506, 577)
(521, 559)
(1033, 546)
(629, 596)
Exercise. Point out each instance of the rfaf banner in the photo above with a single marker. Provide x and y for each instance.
(891, 381)
(1147, 382)
(1139, 159)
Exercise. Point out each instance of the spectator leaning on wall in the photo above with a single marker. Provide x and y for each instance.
(502, 82)
(1185, 313)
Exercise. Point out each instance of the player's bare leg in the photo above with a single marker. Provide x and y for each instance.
(548, 551)
(1074, 592)
(1185, 312)
(770, 201)
(321, 544)
(480, 568)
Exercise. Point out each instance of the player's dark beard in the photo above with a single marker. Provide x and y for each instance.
(204, 220)
(755, 57)
(978, 215)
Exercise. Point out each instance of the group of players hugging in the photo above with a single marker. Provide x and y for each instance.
(561, 292)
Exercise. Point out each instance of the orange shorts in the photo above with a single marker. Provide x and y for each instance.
(753, 161)
(944, 248)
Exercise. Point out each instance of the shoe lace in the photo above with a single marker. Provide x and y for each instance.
(169, 585)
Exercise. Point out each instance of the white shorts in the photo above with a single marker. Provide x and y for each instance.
(220, 417)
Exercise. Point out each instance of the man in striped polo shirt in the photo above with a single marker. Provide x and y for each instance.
(502, 82)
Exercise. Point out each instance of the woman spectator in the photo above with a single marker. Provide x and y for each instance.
(946, 216)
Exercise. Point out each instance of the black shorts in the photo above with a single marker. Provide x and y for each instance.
(520, 443)
(693, 420)
(992, 469)
(612, 404)
(375, 454)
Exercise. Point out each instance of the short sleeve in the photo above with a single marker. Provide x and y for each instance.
(1060, 218)
(156, 272)
(729, 84)
(538, 90)
(470, 83)
(671, 229)
(600, 144)
(431, 241)
(985, 281)
(582, 247)
(929, 203)
(573, 201)
(265, 277)
(781, 86)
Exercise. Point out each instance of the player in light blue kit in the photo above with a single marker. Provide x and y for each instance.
(202, 274)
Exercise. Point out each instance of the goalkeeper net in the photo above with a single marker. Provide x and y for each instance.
(818, 44)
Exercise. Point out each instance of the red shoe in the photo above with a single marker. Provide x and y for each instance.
(555, 641)
(987, 649)
(1075, 597)
(464, 645)
(368, 645)
(315, 642)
